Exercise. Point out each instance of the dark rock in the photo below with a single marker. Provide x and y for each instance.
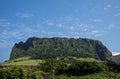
(116, 59)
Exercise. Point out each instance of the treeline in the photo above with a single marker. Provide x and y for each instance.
(42, 48)
(52, 68)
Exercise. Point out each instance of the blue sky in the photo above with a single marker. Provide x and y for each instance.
(95, 19)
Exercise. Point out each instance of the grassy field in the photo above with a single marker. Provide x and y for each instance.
(88, 59)
(28, 61)
(23, 61)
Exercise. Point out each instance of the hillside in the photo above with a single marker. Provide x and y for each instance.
(42, 48)
(26, 61)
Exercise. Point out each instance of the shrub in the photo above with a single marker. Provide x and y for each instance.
(13, 73)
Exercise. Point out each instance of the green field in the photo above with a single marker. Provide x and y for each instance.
(28, 61)
(88, 60)
(23, 61)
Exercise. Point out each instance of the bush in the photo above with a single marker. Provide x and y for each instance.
(112, 66)
(80, 68)
(50, 65)
(13, 73)
(36, 75)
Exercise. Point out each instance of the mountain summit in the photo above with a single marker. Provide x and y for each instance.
(41, 48)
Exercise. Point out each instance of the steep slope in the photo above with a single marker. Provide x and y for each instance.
(116, 59)
(40, 48)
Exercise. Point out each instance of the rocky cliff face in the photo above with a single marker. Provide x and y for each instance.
(116, 59)
(60, 47)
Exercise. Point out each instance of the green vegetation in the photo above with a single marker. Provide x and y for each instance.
(71, 66)
(24, 73)
(29, 61)
(13, 73)
(26, 62)
(104, 75)
(43, 48)
(59, 58)
(88, 60)
(63, 68)
(23, 61)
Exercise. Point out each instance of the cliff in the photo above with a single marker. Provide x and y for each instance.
(41, 48)
(116, 59)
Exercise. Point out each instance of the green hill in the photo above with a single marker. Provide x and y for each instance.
(42, 48)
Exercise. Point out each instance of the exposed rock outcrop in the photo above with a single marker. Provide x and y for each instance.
(59, 47)
(116, 59)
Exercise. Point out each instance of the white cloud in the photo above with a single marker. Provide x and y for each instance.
(52, 33)
(76, 33)
(69, 26)
(17, 31)
(9, 34)
(9, 37)
(115, 53)
(28, 30)
(59, 25)
(113, 26)
(95, 33)
(75, 27)
(68, 18)
(4, 23)
(50, 23)
(3, 44)
(118, 14)
(47, 22)
(107, 7)
(97, 20)
(24, 15)
(85, 27)
(72, 28)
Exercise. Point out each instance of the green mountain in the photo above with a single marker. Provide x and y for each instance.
(42, 48)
